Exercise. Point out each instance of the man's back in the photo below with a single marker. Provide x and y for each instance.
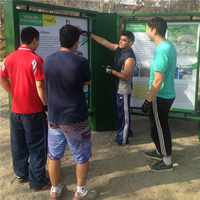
(65, 74)
(23, 67)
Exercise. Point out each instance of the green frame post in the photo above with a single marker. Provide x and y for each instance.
(106, 28)
(10, 16)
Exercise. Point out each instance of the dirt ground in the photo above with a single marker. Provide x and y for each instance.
(116, 173)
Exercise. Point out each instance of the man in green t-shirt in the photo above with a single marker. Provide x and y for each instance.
(161, 95)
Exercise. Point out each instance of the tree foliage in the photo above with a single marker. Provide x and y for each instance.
(106, 6)
(163, 6)
(1, 10)
(134, 6)
(185, 6)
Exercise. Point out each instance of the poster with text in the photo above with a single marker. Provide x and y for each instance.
(185, 38)
(48, 27)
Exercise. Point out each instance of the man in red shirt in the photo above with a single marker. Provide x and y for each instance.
(24, 69)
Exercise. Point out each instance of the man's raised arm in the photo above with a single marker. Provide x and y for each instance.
(101, 40)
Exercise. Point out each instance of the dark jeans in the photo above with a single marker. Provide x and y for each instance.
(29, 139)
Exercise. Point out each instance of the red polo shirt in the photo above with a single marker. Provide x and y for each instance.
(23, 67)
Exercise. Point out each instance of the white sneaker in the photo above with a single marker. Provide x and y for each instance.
(89, 195)
(55, 195)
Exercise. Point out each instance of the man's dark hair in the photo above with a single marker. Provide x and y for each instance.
(160, 24)
(129, 35)
(69, 35)
(28, 34)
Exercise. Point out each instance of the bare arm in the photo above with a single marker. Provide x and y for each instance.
(128, 70)
(104, 42)
(87, 83)
(156, 85)
(41, 92)
(5, 84)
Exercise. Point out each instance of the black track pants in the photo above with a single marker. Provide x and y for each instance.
(160, 132)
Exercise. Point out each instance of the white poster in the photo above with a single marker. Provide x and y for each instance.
(48, 27)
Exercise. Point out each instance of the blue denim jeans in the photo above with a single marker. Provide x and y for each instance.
(29, 140)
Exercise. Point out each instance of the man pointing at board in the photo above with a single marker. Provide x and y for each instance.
(121, 72)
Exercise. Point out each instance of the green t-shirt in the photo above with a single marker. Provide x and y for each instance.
(165, 59)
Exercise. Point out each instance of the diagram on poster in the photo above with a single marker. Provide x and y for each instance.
(49, 26)
(185, 37)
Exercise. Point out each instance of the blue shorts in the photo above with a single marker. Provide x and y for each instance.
(77, 136)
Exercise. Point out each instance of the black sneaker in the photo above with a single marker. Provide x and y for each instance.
(115, 144)
(47, 185)
(161, 166)
(153, 155)
(22, 179)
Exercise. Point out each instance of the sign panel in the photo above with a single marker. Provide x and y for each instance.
(49, 26)
(185, 37)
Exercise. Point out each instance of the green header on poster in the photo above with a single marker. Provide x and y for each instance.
(133, 27)
(30, 19)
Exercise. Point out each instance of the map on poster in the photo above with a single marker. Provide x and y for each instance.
(48, 27)
(185, 37)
